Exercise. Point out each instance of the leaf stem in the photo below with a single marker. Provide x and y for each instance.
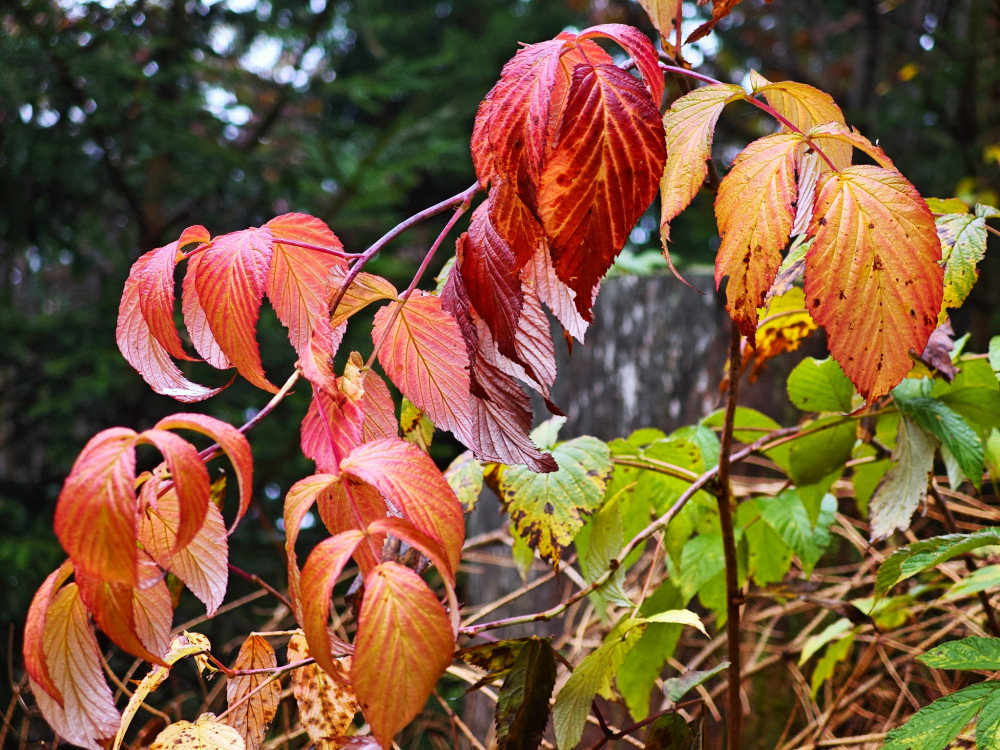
(385, 239)
(257, 580)
(734, 592)
(276, 674)
(661, 467)
(317, 248)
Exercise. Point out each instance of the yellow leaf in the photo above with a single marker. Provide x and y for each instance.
(326, 706)
(255, 706)
(204, 734)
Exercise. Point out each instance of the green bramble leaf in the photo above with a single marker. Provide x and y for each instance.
(835, 653)
(465, 475)
(915, 558)
(677, 687)
(974, 652)
(605, 541)
(904, 486)
(523, 701)
(823, 450)
(963, 244)
(934, 726)
(788, 516)
(960, 439)
(820, 385)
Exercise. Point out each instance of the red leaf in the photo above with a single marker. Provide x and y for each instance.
(145, 332)
(299, 280)
(380, 411)
(424, 355)
(319, 575)
(34, 631)
(873, 274)
(611, 150)
(153, 609)
(348, 503)
(251, 717)
(202, 564)
(233, 444)
(560, 299)
(331, 429)
(492, 279)
(230, 279)
(533, 344)
(755, 210)
(96, 513)
(195, 319)
(639, 48)
(404, 645)
(87, 715)
(690, 126)
(403, 529)
(300, 498)
(190, 479)
(409, 479)
(317, 360)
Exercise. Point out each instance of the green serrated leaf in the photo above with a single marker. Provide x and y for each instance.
(986, 578)
(769, 558)
(523, 701)
(818, 454)
(953, 432)
(787, 516)
(835, 653)
(522, 553)
(865, 477)
(947, 206)
(988, 723)
(668, 732)
(662, 490)
(465, 475)
(701, 560)
(549, 509)
(934, 726)
(915, 558)
(645, 435)
(704, 438)
(831, 632)
(974, 652)
(677, 687)
(963, 244)
(547, 433)
(904, 486)
(994, 354)
(820, 385)
(986, 212)
(678, 617)
(604, 542)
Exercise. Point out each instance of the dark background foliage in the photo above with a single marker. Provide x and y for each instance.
(122, 123)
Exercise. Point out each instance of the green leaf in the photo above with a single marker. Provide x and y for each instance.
(522, 553)
(963, 244)
(986, 212)
(986, 578)
(994, 354)
(915, 558)
(835, 653)
(947, 206)
(465, 475)
(593, 675)
(963, 443)
(668, 732)
(934, 726)
(678, 617)
(603, 545)
(549, 509)
(701, 560)
(787, 516)
(979, 406)
(833, 631)
(820, 385)
(865, 477)
(973, 652)
(704, 438)
(988, 723)
(677, 687)
(523, 701)
(769, 558)
(818, 454)
(663, 489)
(415, 425)
(545, 435)
(904, 486)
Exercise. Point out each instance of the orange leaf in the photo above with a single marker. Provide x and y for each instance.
(252, 716)
(190, 480)
(663, 14)
(363, 291)
(299, 282)
(202, 564)
(409, 479)
(319, 575)
(720, 9)
(404, 644)
(96, 513)
(299, 499)
(611, 150)
(326, 706)
(34, 631)
(560, 299)
(690, 126)
(230, 278)
(195, 319)
(331, 429)
(87, 715)
(754, 209)
(873, 278)
(424, 355)
(639, 48)
(347, 503)
(380, 410)
(233, 444)
(317, 359)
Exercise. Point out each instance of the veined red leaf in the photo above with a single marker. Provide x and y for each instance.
(96, 513)
(515, 220)
(404, 645)
(331, 429)
(233, 443)
(560, 299)
(147, 350)
(190, 479)
(34, 631)
(829, 135)
(326, 706)
(202, 563)
(115, 605)
(363, 291)
(873, 276)
(754, 209)
(348, 503)
(492, 279)
(231, 278)
(252, 716)
(320, 573)
(611, 150)
(87, 714)
(408, 477)
(196, 320)
(380, 410)
(533, 344)
(639, 48)
(317, 359)
(298, 281)
(299, 499)
(424, 355)
(690, 126)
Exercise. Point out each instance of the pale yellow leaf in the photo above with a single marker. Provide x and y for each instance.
(326, 707)
(204, 734)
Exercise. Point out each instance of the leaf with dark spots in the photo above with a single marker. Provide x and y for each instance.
(523, 701)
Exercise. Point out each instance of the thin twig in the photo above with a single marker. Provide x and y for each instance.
(258, 581)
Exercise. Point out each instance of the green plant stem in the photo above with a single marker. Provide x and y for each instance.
(970, 565)
(660, 467)
(734, 593)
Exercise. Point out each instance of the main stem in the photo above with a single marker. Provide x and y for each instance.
(734, 594)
